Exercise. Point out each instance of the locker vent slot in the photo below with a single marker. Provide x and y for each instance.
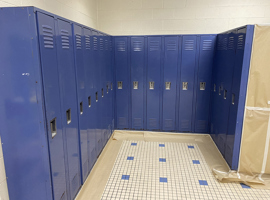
(68, 114)
(53, 127)
(189, 45)
(63, 197)
(78, 41)
(89, 101)
(222, 43)
(185, 124)
(120, 85)
(233, 98)
(215, 87)
(207, 45)
(168, 123)
(225, 94)
(95, 42)
(151, 85)
(153, 122)
(137, 46)
(102, 92)
(137, 122)
(171, 45)
(202, 85)
(65, 39)
(185, 86)
(81, 108)
(154, 45)
(202, 124)
(122, 121)
(87, 42)
(135, 85)
(231, 43)
(110, 45)
(240, 43)
(106, 45)
(96, 96)
(47, 36)
(75, 182)
(167, 85)
(121, 45)
(101, 44)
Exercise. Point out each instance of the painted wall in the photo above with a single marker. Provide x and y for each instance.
(81, 11)
(122, 17)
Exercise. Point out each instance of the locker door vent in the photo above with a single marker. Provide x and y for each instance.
(168, 123)
(122, 121)
(47, 36)
(78, 41)
(121, 46)
(106, 45)
(222, 43)
(207, 45)
(171, 45)
(75, 183)
(153, 122)
(201, 125)
(101, 44)
(95, 42)
(63, 197)
(65, 39)
(110, 45)
(154, 45)
(189, 45)
(137, 122)
(240, 43)
(185, 124)
(137, 46)
(87, 42)
(231, 43)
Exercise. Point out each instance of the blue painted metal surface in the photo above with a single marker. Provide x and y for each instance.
(153, 103)
(137, 83)
(169, 86)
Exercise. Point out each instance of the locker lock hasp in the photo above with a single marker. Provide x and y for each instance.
(151, 85)
(167, 85)
(185, 86)
(120, 85)
(135, 85)
(202, 85)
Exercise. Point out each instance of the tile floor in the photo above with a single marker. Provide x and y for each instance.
(154, 170)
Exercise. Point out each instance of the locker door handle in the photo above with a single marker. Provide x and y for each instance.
(81, 108)
(120, 85)
(96, 96)
(53, 127)
(68, 114)
(102, 93)
(233, 98)
(89, 101)
(185, 85)
(168, 85)
(135, 85)
(151, 85)
(225, 94)
(202, 85)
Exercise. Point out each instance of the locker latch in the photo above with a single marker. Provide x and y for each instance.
(219, 90)
(68, 114)
(151, 85)
(225, 94)
(135, 85)
(102, 93)
(120, 85)
(167, 85)
(202, 85)
(53, 127)
(89, 101)
(233, 99)
(185, 85)
(81, 108)
(96, 96)
(111, 86)
(107, 88)
(215, 87)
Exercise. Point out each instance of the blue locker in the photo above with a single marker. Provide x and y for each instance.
(170, 82)
(188, 66)
(122, 83)
(203, 88)
(137, 63)
(78, 39)
(154, 50)
(48, 50)
(69, 103)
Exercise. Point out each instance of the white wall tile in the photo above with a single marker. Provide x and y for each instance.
(185, 13)
(152, 3)
(14, 2)
(163, 14)
(174, 3)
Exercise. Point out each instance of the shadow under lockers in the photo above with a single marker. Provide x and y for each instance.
(163, 82)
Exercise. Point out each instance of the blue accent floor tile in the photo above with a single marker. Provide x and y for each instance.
(196, 162)
(133, 144)
(163, 180)
(161, 145)
(244, 186)
(125, 177)
(202, 182)
(191, 147)
(130, 158)
(162, 160)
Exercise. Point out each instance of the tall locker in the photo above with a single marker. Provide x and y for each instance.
(188, 66)
(137, 63)
(154, 52)
(69, 103)
(48, 53)
(170, 82)
(203, 88)
(122, 82)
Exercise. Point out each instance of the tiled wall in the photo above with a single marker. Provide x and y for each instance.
(3, 180)
(81, 11)
(121, 17)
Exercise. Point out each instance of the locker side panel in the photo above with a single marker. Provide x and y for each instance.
(188, 66)
(170, 82)
(153, 82)
(137, 60)
(69, 103)
(206, 55)
(122, 82)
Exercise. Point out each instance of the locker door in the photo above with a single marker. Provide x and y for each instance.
(82, 103)
(170, 81)
(153, 83)
(46, 27)
(188, 66)
(122, 82)
(206, 55)
(70, 112)
(137, 81)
